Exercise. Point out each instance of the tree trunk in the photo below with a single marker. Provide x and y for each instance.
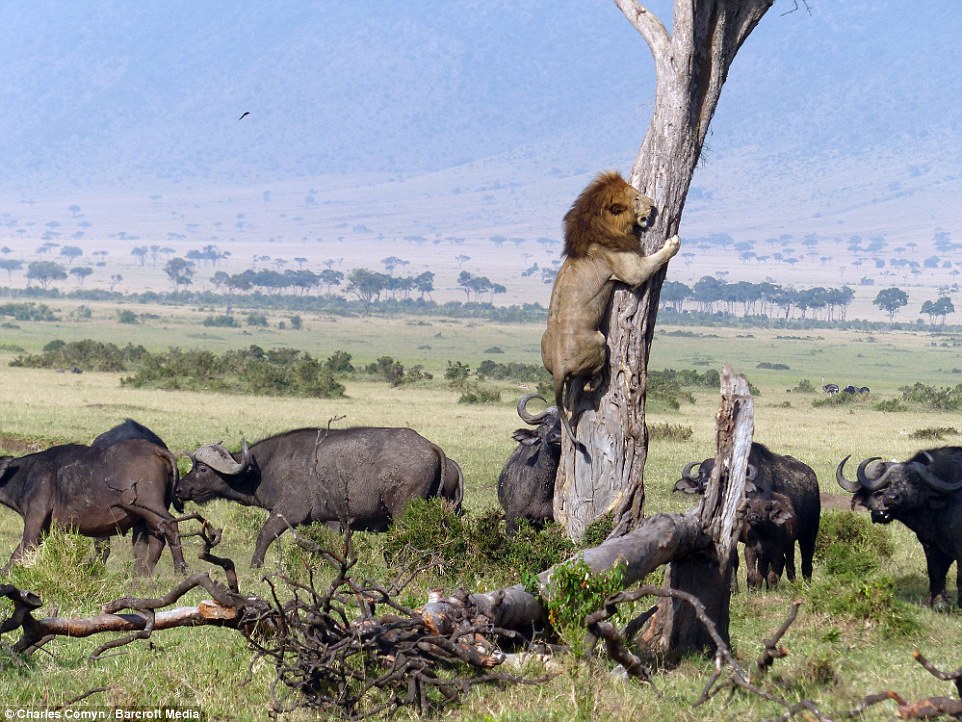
(707, 575)
(697, 546)
(691, 66)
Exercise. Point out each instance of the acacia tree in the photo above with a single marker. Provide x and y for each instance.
(691, 65)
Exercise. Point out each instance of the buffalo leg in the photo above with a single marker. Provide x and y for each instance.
(147, 548)
(275, 525)
(790, 561)
(32, 529)
(806, 546)
(164, 526)
(751, 567)
(937, 564)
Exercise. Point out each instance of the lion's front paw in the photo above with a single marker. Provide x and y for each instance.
(672, 245)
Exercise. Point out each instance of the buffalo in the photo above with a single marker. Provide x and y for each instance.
(769, 534)
(360, 477)
(526, 483)
(923, 494)
(98, 491)
(771, 473)
(124, 431)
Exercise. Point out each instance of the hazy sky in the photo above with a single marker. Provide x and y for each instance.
(109, 92)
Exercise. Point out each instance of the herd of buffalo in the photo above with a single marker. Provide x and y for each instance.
(127, 479)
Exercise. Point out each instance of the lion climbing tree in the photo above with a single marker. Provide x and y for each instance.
(691, 65)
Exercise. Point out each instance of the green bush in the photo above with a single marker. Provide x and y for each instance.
(930, 397)
(804, 387)
(937, 433)
(127, 316)
(850, 545)
(87, 355)
(473, 393)
(65, 567)
(429, 530)
(279, 372)
(256, 319)
(669, 432)
(223, 321)
(457, 374)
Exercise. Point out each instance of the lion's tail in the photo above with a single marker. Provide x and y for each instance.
(559, 400)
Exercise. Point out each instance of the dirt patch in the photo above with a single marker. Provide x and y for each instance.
(835, 502)
(22, 444)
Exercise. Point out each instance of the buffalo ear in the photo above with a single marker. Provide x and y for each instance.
(527, 437)
(781, 515)
(750, 488)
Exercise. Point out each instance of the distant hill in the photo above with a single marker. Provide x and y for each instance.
(424, 130)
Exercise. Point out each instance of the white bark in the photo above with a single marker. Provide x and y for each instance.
(691, 66)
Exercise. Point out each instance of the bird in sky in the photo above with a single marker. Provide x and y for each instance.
(244, 115)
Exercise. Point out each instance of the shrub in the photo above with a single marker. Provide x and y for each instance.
(935, 434)
(849, 545)
(127, 316)
(224, 321)
(472, 393)
(576, 592)
(457, 374)
(669, 432)
(936, 399)
(429, 530)
(804, 387)
(87, 355)
(339, 362)
(891, 406)
(256, 319)
(392, 371)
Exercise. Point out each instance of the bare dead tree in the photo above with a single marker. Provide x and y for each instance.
(691, 65)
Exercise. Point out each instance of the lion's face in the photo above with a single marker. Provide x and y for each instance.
(610, 212)
(628, 210)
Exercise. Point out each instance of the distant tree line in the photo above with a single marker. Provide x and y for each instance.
(710, 294)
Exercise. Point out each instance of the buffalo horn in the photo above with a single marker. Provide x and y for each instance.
(932, 480)
(526, 415)
(686, 472)
(750, 473)
(850, 486)
(873, 482)
(219, 459)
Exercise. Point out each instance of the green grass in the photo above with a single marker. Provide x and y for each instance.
(836, 656)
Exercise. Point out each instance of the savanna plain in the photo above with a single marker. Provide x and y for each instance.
(861, 616)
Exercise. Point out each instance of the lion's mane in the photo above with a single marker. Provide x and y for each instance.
(604, 213)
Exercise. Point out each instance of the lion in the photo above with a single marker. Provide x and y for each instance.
(602, 246)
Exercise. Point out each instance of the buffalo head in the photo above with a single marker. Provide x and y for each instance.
(215, 474)
(695, 482)
(889, 489)
(548, 423)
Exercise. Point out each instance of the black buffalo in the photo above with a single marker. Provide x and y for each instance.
(769, 534)
(126, 430)
(771, 473)
(526, 483)
(361, 477)
(98, 491)
(922, 493)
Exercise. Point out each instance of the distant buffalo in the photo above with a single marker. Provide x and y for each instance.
(361, 477)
